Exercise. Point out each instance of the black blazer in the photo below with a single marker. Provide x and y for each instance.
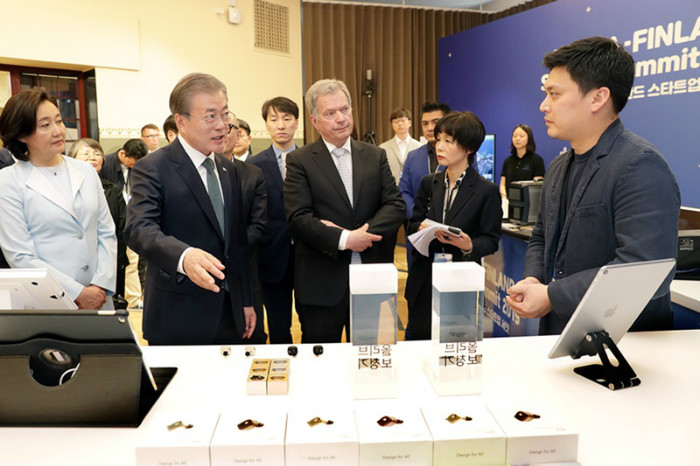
(314, 191)
(170, 211)
(476, 210)
(117, 207)
(112, 170)
(5, 161)
(255, 211)
(277, 246)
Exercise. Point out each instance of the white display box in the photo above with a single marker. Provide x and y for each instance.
(158, 446)
(324, 444)
(454, 366)
(261, 446)
(408, 443)
(373, 330)
(479, 441)
(546, 439)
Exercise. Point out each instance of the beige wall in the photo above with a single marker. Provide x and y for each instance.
(140, 49)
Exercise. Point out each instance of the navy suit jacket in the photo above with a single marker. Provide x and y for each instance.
(417, 165)
(170, 211)
(314, 191)
(5, 161)
(276, 249)
(625, 209)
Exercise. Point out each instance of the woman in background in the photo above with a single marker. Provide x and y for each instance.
(458, 197)
(90, 151)
(54, 211)
(523, 164)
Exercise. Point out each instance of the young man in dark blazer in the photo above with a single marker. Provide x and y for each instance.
(342, 205)
(185, 217)
(276, 258)
(611, 199)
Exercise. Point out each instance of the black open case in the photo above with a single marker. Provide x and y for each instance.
(111, 386)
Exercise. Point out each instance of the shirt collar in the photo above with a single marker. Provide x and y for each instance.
(332, 147)
(279, 151)
(405, 141)
(196, 156)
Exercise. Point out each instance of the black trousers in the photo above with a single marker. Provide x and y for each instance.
(420, 314)
(321, 324)
(277, 298)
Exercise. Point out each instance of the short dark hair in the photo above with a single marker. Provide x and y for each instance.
(18, 119)
(242, 124)
(280, 104)
(530, 140)
(400, 113)
(170, 125)
(466, 129)
(434, 107)
(135, 149)
(596, 62)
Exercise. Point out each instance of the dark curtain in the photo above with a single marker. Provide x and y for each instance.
(398, 44)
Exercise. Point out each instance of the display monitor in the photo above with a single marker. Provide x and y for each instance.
(485, 158)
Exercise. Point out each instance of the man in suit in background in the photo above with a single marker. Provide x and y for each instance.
(117, 169)
(186, 218)
(6, 160)
(170, 129)
(242, 148)
(281, 117)
(611, 199)
(255, 213)
(342, 205)
(398, 147)
(150, 134)
(423, 160)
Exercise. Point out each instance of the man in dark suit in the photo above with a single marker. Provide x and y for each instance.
(343, 206)
(6, 160)
(117, 166)
(255, 213)
(185, 217)
(611, 199)
(281, 117)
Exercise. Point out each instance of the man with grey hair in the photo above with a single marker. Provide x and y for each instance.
(186, 218)
(343, 207)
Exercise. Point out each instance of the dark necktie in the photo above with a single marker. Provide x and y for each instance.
(215, 192)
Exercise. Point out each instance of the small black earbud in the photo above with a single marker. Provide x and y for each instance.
(292, 351)
(318, 350)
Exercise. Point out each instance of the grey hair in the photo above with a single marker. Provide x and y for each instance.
(323, 87)
(181, 96)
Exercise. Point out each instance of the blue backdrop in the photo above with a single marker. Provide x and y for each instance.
(496, 71)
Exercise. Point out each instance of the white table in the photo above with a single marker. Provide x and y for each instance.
(653, 424)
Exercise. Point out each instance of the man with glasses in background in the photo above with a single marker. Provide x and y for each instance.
(343, 207)
(150, 134)
(242, 148)
(186, 218)
(398, 147)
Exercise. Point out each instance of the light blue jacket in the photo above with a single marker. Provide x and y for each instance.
(39, 229)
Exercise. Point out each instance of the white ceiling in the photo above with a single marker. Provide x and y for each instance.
(483, 5)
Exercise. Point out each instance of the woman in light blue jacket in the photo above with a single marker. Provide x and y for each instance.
(53, 212)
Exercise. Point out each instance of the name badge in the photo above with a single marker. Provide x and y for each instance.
(442, 257)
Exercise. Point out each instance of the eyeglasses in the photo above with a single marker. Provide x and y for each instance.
(211, 118)
(152, 136)
(331, 114)
(231, 127)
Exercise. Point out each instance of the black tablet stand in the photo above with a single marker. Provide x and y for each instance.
(614, 377)
(111, 388)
